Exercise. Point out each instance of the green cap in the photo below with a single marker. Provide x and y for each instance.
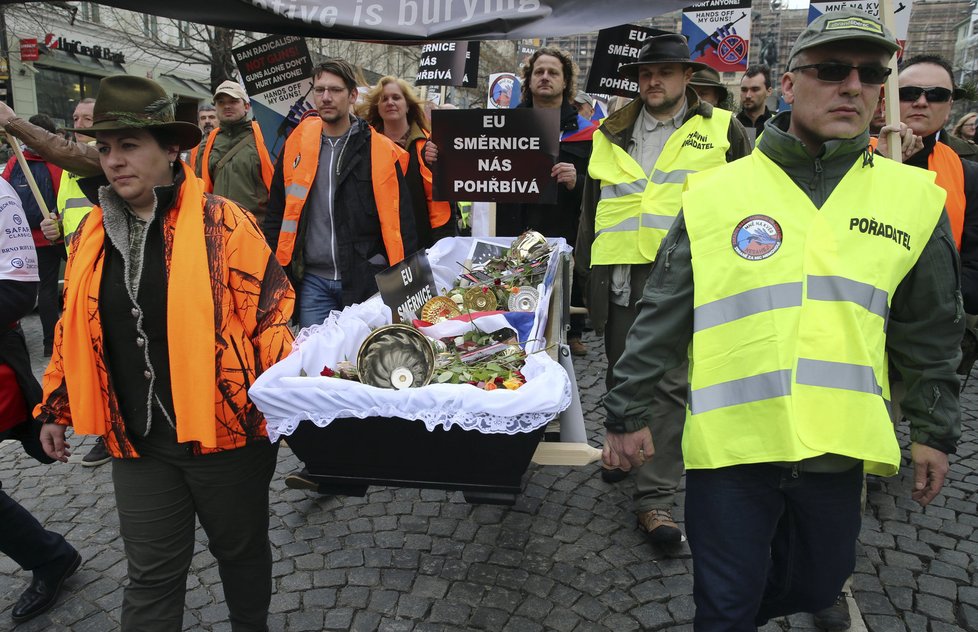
(842, 26)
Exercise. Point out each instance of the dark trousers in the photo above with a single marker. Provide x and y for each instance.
(25, 541)
(159, 494)
(48, 299)
(657, 480)
(768, 541)
(577, 321)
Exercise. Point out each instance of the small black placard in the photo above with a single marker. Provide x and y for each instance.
(407, 286)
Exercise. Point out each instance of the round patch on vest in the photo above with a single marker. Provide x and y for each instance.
(756, 237)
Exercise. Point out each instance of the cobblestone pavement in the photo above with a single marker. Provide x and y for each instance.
(566, 557)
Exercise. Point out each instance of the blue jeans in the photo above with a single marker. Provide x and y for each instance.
(768, 541)
(317, 298)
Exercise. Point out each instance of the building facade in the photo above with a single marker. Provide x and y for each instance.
(58, 53)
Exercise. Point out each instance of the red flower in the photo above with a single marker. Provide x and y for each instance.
(327, 372)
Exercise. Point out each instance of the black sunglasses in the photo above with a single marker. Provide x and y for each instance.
(833, 72)
(909, 94)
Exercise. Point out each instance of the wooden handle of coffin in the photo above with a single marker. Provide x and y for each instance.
(566, 454)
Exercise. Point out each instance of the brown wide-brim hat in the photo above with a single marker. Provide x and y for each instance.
(661, 49)
(128, 102)
(710, 78)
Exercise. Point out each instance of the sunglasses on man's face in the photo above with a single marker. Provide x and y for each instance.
(832, 72)
(909, 94)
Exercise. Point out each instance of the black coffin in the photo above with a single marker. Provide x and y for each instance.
(349, 455)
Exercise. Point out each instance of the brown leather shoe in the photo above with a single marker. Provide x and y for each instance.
(659, 526)
(577, 347)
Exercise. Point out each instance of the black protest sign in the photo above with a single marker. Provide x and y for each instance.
(445, 64)
(616, 46)
(407, 286)
(274, 62)
(497, 155)
(471, 77)
(523, 54)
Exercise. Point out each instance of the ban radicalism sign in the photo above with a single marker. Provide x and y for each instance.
(276, 72)
(502, 156)
(403, 20)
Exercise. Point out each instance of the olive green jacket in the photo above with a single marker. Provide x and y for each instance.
(923, 334)
(240, 179)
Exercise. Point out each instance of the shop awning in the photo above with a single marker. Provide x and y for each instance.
(184, 87)
(61, 60)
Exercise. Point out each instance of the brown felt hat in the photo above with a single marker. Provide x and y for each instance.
(128, 102)
(661, 49)
(711, 78)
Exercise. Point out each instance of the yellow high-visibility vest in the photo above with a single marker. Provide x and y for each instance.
(637, 209)
(788, 358)
(72, 205)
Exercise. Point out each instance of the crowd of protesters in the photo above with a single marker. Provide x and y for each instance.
(740, 351)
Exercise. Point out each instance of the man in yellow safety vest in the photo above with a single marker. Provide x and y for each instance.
(789, 305)
(642, 154)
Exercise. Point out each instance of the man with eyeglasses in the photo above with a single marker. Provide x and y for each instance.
(927, 90)
(338, 210)
(788, 306)
(926, 96)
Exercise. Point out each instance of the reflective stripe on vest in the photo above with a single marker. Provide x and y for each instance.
(267, 168)
(72, 205)
(950, 177)
(301, 161)
(788, 354)
(636, 210)
(762, 299)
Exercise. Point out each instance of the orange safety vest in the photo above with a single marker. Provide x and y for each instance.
(950, 177)
(438, 212)
(267, 169)
(192, 156)
(305, 142)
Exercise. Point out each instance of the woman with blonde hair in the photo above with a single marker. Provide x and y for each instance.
(393, 109)
(965, 127)
(174, 304)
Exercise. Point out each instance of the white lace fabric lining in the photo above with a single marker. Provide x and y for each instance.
(286, 397)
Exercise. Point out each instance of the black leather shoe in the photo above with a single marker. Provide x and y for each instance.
(44, 591)
(835, 618)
